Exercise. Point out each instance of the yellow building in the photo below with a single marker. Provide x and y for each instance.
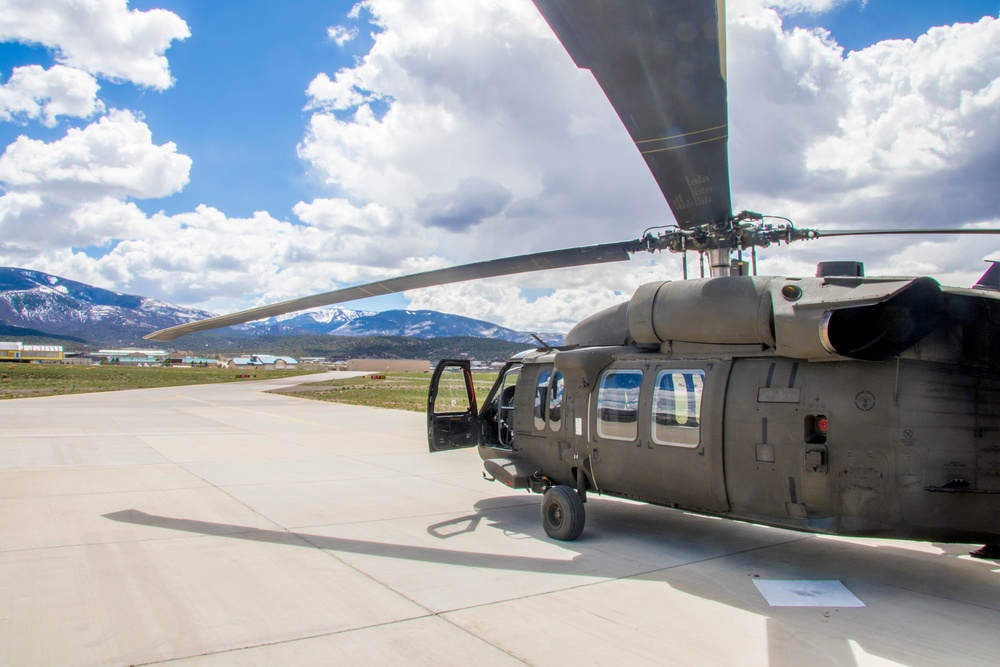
(22, 352)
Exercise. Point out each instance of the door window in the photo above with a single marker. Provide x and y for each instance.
(618, 405)
(677, 408)
(454, 392)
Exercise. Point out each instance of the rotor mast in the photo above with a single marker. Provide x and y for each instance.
(720, 261)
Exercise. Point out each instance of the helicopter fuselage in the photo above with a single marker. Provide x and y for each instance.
(905, 447)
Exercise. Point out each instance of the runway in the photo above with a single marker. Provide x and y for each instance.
(222, 525)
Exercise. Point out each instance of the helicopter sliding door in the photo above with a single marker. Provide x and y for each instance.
(452, 416)
(658, 432)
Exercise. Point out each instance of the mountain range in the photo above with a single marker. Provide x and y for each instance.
(34, 304)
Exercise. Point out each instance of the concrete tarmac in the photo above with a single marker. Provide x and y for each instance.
(221, 525)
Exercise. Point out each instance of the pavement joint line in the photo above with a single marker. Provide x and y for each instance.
(103, 466)
(92, 493)
(79, 545)
(430, 612)
(320, 635)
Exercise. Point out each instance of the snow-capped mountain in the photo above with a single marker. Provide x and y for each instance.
(320, 320)
(413, 323)
(36, 300)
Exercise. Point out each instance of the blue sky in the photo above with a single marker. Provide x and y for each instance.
(450, 131)
(856, 25)
(237, 104)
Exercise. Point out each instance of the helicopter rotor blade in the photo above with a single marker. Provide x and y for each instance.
(662, 66)
(871, 232)
(541, 261)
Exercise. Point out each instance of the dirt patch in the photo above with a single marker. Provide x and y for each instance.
(26, 393)
(298, 389)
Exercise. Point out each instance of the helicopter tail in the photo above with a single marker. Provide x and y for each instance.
(991, 279)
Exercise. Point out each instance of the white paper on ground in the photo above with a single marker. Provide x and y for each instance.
(806, 593)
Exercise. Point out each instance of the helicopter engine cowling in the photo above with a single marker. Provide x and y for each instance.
(733, 310)
(818, 319)
(854, 318)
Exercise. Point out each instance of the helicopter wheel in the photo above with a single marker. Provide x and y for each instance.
(562, 513)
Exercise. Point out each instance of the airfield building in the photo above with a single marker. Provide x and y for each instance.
(10, 351)
(263, 362)
(387, 365)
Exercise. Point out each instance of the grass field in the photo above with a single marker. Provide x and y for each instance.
(399, 391)
(27, 380)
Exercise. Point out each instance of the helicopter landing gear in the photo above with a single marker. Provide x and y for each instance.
(562, 513)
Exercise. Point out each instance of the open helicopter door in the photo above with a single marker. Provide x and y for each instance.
(452, 415)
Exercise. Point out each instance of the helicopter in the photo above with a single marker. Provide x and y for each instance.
(840, 404)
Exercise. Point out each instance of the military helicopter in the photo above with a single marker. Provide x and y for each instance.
(840, 403)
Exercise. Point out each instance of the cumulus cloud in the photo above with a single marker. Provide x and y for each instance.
(581, 292)
(471, 202)
(222, 263)
(102, 37)
(903, 133)
(32, 93)
(114, 157)
(372, 235)
(73, 191)
(790, 7)
(455, 96)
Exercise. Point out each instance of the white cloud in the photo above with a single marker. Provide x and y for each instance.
(208, 258)
(790, 7)
(582, 292)
(917, 111)
(102, 37)
(899, 134)
(114, 157)
(456, 94)
(32, 92)
(72, 192)
(341, 34)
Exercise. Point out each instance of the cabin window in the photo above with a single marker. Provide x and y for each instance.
(541, 398)
(555, 401)
(677, 408)
(618, 405)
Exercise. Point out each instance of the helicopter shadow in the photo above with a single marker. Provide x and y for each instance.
(708, 558)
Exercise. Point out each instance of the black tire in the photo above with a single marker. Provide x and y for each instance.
(562, 513)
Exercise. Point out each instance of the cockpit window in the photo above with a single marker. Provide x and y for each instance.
(618, 405)
(541, 398)
(677, 408)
